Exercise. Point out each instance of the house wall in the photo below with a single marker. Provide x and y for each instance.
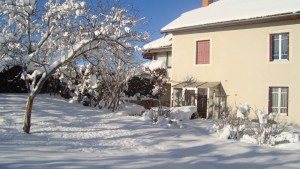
(239, 59)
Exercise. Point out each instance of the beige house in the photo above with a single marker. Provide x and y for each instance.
(238, 52)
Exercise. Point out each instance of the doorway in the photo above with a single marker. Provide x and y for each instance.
(202, 105)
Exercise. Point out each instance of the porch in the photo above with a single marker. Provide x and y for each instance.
(209, 98)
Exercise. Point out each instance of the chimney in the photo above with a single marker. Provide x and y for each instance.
(207, 2)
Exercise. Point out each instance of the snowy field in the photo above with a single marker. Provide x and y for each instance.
(68, 135)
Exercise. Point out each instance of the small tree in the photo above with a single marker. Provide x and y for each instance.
(45, 37)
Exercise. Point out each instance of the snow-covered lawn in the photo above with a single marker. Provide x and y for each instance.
(69, 135)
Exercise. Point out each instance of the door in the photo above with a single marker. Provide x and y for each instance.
(202, 105)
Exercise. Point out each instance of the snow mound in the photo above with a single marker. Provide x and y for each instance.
(182, 113)
(130, 109)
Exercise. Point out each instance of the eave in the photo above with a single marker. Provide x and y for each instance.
(147, 54)
(233, 23)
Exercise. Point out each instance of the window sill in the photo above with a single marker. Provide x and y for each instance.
(280, 114)
(280, 61)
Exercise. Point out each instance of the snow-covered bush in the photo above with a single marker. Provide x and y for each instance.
(265, 128)
(233, 123)
(236, 125)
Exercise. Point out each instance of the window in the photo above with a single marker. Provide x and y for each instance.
(278, 100)
(279, 46)
(169, 59)
(165, 57)
(203, 52)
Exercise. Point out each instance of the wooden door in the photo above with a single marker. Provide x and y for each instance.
(202, 105)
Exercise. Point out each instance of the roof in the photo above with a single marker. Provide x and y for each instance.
(197, 85)
(225, 11)
(163, 42)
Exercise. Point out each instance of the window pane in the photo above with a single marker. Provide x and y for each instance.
(275, 52)
(274, 110)
(162, 58)
(284, 48)
(274, 99)
(283, 110)
(276, 36)
(169, 64)
(284, 36)
(274, 89)
(284, 90)
(283, 100)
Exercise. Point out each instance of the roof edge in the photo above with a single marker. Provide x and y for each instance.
(250, 21)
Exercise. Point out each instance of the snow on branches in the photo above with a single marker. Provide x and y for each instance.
(42, 38)
(43, 41)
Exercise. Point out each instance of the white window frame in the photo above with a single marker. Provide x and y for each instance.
(279, 46)
(278, 107)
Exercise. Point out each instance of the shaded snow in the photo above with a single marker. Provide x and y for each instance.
(233, 10)
(69, 135)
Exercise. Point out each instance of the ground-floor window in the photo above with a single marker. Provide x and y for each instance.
(278, 100)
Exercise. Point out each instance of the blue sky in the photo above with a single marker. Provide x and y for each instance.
(161, 12)
(157, 12)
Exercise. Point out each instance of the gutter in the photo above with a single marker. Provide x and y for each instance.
(242, 22)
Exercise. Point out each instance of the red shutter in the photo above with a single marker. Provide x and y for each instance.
(203, 52)
(270, 100)
(271, 48)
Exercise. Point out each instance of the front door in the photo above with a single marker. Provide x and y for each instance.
(202, 105)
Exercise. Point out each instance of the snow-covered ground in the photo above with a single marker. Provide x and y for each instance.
(69, 135)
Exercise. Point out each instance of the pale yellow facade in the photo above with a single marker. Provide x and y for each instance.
(239, 59)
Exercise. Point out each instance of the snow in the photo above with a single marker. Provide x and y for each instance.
(130, 109)
(69, 135)
(165, 41)
(182, 113)
(155, 64)
(242, 111)
(233, 10)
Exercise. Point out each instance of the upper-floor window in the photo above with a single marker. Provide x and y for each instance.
(165, 57)
(279, 46)
(278, 100)
(203, 52)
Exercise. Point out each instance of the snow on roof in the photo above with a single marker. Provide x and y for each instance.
(165, 41)
(233, 10)
(155, 64)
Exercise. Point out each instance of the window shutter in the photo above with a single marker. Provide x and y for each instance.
(288, 56)
(287, 102)
(203, 52)
(270, 101)
(271, 48)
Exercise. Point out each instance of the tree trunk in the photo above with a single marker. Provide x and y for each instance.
(27, 117)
